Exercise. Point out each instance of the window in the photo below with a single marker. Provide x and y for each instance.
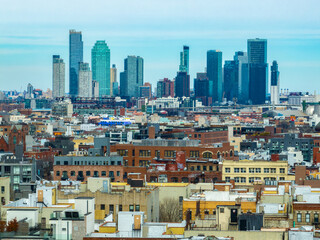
(282, 170)
(58, 173)
(227, 170)
(118, 173)
(137, 208)
(221, 210)
(88, 173)
(103, 173)
(157, 153)
(143, 163)
(251, 179)
(96, 174)
(2, 189)
(236, 179)
(194, 154)
(111, 208)
(273, 170)
(16, 179)
(207, 155)
(131, 208)
(210, 168)
(169, 153)
(243, 170)
(14, 140)
(16, 170)
(316, 217)
(120, 208)
(111, 174)
(266, 170)
(307, 217)
(122, 152)
(251, 170)
(227, 179)
(57, 162)
(299, 217)
(192, 168)
(236, 170)
(73, 173)
(258, 170)
(102, 207)
(144, 153)
(243, 180)
(282, 178)
(204, 168)
(198, 168)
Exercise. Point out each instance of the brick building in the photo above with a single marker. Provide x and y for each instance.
(11, 135)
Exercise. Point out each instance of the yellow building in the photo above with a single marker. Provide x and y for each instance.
(245, 172)
(82, 141)
(4, 190)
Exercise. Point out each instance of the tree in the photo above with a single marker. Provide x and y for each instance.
(2, 226)
(13, 225)
(169, 210)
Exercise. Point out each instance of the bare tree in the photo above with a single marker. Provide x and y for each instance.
(169, 210)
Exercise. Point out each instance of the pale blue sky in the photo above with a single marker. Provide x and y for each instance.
(32, 31)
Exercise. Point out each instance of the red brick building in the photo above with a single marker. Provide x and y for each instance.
(11, 135)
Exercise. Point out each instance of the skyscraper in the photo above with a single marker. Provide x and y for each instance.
(29, 91)
(132, 77)
(258, 70)
(85, 80)
(241, 60)
(182, 85)
(201, 89)
(165, 88)
(100, 63)
(275, 83)
(184, 60)
(214, 73)
(113, 79)
(230, 80)
(75, 57)
(146, 90)
(58, 76)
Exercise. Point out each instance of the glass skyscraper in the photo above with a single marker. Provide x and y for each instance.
(241, 60)
(258, 70)
(100, 63)
(182, 85)
(184, 60)
(275, 83)
(58, 76)
(132, 77)
(214, 74)
(75, 57)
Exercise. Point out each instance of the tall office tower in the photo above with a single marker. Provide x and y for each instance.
(145, 91)
(75, 57)
(275, 83)
(85, 81)
(132, 77)
(258, 70)
(241, 61)
(95, 89)
(182, 85)
(230, 80)
(214, 73)
(113, 78)
(100, 63)
(201, 89)
(29, 91)
(184, 60)
(115, 88)
(165, 88)
(58, 76)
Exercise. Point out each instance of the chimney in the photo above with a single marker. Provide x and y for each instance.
(152, 132)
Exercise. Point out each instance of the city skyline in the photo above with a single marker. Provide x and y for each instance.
(292, 39)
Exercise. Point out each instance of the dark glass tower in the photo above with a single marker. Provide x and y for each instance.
(75, 57)
(184, 60)
(182, 85)
(231, 80)
(214, 73)
(258, 70)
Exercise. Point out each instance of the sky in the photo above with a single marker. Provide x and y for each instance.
(34, 30)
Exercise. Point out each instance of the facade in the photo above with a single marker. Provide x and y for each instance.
(113, 80)
(5, 190)
(58, 77)
(201, 89)
(241, 59)
(184, 60)
(258, 70)
(75, 57)
(214, 74)
(100, 63)
(230, 80)
(275, 83)
(62, 109)
(165, 88)
(132, 77)
(145, 91)
(95, 89)
(246, 172)
(13, 135)
(182, 85)
(85, 81)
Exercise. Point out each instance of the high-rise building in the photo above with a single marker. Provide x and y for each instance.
(58, 76)
(230, 80)
(132, 77)
(95, 89)
(100, 63)
(241, 60)
(146, 90)
(184, 60)
(258, 70)
(29, 91)
(85, 80)
(275, 83)
(75, 57)
(182, 85)
(165, 88)
(113, 78)
(214, 73)
(201, 89)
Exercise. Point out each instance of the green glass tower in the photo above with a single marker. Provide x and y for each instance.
(100, 62)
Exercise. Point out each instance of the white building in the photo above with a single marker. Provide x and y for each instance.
(58, 77)
(85, 81)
